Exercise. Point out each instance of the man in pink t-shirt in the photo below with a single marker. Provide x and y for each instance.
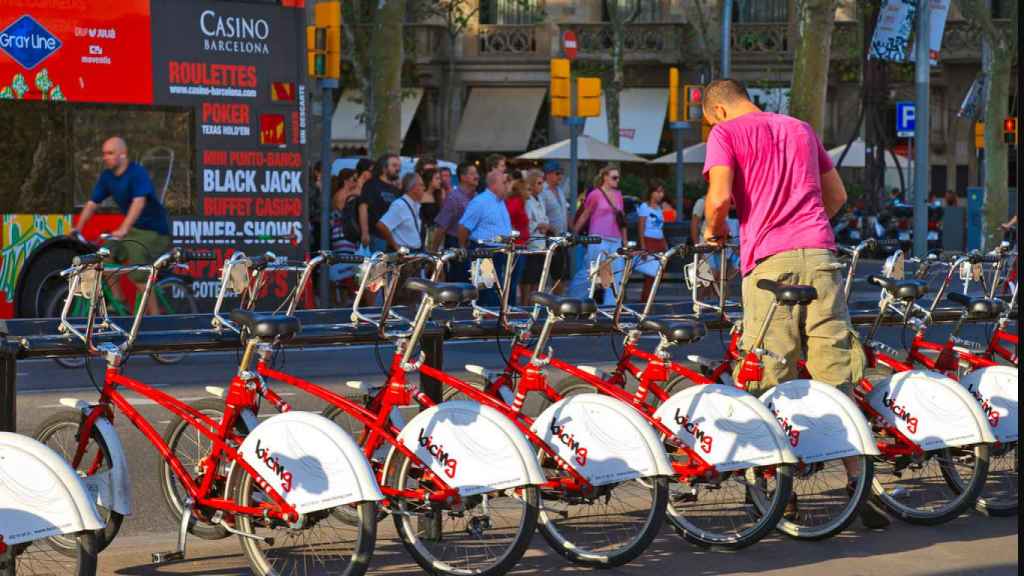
(776, 173)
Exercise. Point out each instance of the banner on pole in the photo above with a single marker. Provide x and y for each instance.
(893, 30)
(937, 10)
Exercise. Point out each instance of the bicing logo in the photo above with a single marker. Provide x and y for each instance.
(703, 439)
(446, 460)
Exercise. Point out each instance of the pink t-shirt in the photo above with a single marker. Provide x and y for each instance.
(602, 216)
(777, 163)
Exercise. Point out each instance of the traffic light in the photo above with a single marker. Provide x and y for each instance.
(1010, 130)
(560, 88)
(588, 97)
(673, 94)
(316, 51)
(323, 41)
(693, 103)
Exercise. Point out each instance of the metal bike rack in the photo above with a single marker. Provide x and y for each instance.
(37, 338)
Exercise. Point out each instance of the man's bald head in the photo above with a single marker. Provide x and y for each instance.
(496, 183)
(115, 154)
(725, 99)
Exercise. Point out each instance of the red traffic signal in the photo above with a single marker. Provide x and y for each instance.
(696, 95)
(1010, 130)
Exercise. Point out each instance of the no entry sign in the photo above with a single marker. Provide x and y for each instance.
(569, 44)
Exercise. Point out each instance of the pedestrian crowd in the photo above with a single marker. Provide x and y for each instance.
(373, 209)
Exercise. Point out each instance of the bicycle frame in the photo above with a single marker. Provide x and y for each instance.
(219, 434)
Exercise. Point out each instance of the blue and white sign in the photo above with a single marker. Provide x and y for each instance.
(906, 113)
(27, 42)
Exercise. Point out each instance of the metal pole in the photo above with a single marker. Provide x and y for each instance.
(986, 67)
(677, 137)
(8, 383)
(327, 86)
(922, 71)
(726, 38)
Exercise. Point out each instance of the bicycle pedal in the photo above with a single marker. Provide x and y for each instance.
(684, 497)
(165, 557)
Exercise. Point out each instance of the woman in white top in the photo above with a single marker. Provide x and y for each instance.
(539, 227)
(649, 229)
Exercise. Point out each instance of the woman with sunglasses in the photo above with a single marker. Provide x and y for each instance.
(601, 216)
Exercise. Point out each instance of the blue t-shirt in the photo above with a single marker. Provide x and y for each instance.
(134, 183)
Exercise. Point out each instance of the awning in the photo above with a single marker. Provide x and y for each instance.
(499, 119)
(587, 149)
(346, 127)
(691, 155)
(855, 157)
(641, 119)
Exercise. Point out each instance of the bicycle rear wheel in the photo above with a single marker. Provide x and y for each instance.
(485, 535)
(42, 558)
(322, 544)
(918, 489)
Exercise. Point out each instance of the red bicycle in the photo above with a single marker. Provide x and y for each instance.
(759, 460)
(459, 480)
(277, 495)
(927, 428)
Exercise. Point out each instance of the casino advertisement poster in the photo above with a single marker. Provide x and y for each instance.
(239, 67)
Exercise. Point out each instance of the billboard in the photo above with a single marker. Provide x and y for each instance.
(82, 51)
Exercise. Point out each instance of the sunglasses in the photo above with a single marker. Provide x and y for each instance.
(613, 177)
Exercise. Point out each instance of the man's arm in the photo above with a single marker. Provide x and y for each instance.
(463, 236)
(364, 224)
(716, 204)
(385, 234)
(87, 212)
(134, 211)
(833, 193)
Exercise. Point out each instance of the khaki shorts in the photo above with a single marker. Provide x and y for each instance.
(139, 247)
(819, 333)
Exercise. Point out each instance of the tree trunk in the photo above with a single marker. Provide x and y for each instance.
(810, 63)
(997, 96)
(450, 113)
(614, 89)
(386, 53)
(996, 150)
(874, 93)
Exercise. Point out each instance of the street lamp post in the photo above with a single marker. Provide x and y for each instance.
(922, 70)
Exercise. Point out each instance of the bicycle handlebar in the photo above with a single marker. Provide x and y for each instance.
(90, 259)
(342, 258)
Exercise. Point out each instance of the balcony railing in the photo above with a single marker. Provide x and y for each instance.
(644, 41)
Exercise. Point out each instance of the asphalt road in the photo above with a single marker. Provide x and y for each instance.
(971, 544)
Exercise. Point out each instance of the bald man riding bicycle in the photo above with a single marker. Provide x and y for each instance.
(145, 232)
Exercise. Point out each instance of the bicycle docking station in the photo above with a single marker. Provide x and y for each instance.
(38, 338)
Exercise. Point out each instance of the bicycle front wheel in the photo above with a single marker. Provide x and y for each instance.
(827, 497)
(41, 557)
(1000, 495)
(918, 488)
(485, 535)
(174, 296)
(322, 543)
(60, 433)
(732, 511)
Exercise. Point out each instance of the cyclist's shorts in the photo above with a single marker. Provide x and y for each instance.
(139, 247)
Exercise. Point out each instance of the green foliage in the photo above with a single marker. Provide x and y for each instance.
(633, 185)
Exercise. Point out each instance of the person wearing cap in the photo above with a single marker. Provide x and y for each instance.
(556, 207)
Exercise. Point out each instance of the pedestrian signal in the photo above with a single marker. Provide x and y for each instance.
(693, 103)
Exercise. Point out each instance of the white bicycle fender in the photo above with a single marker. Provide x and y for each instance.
(472, 448)
(40, 495)
(995, 389)
(932, 410)
(310, 461)
(729, 428)
(113, 489)
(604, 439)
(819, 421)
